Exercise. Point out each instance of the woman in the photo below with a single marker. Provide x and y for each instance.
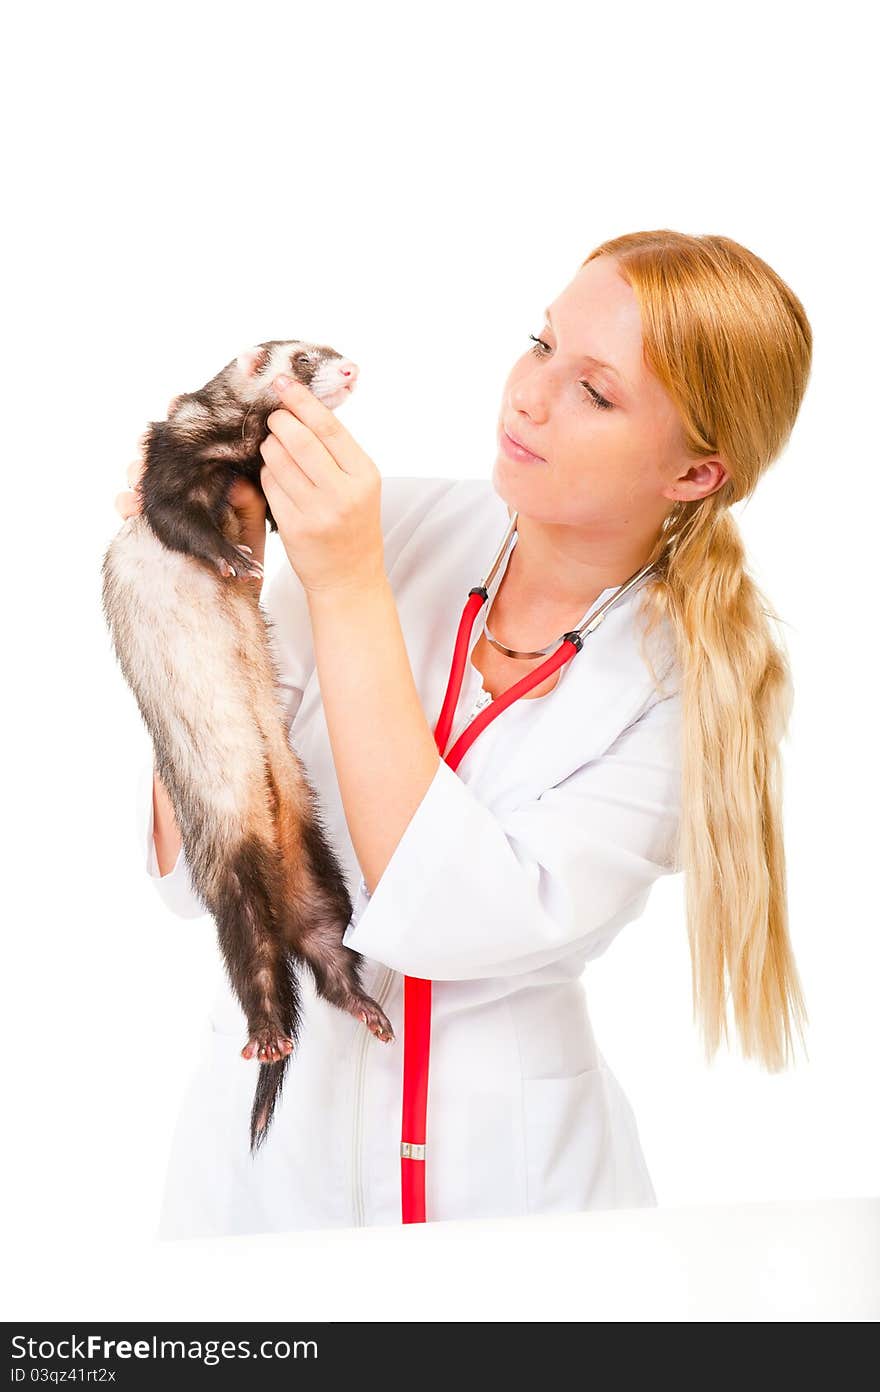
(665, 380)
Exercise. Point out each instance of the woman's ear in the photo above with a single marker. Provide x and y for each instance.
(699, 480)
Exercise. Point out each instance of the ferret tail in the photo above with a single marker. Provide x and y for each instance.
(270, 1076)
(269, 1082)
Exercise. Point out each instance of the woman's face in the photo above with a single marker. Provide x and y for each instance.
(602, 466)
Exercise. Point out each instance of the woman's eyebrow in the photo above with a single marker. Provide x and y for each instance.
(609, 367)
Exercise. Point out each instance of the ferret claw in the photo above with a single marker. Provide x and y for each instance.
(269, 1045)
(251, 567)
(247, 568)
(373, 1017)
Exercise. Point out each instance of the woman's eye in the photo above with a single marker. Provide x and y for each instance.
(594, 398)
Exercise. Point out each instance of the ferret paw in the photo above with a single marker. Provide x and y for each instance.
(267, 1045)
(376, 1020)
(251, 566)
(244, 565)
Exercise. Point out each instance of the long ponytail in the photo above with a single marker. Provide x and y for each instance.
(732, 345)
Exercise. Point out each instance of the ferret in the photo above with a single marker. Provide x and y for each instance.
(195, 648)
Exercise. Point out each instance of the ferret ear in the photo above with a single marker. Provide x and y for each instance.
(252, 361)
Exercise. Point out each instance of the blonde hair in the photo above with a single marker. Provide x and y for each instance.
(732, 346)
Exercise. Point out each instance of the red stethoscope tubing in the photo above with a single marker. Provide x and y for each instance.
(417, 992)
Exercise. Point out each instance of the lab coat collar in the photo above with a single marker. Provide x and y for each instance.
(601, 690)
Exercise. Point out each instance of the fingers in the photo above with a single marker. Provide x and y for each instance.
(284, 509)
(283, 473)
(134, 471)
(309, 452)
(312, 433)
(127, 504)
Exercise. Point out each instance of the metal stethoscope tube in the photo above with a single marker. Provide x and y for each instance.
(592, 622)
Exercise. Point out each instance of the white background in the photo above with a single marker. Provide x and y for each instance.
(412, 185)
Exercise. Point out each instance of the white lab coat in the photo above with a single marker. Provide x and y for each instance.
(513, 872)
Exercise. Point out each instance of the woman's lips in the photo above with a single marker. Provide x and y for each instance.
(518, 452)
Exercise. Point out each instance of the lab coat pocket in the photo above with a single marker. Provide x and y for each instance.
(582, 1145)
(568, 1151)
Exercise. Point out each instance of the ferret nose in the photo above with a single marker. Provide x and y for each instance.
(349, 371)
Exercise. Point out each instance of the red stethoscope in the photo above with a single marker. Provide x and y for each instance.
(417, 992)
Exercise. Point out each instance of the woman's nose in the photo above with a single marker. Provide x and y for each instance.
(529, 401)
(529, 392)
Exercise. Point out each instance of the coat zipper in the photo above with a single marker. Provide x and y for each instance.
(483, 698)
(380, 995)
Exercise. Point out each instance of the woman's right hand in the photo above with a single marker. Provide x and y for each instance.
(248, 502)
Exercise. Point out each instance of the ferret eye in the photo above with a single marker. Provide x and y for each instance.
(301, 359)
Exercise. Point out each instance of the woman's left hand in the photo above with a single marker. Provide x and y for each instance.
(324, 492)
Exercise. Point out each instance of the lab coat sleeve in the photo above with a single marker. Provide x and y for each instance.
(285, 605)
(176, 888)
(470, 894)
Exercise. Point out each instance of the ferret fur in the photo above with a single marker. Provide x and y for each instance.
(196, 650)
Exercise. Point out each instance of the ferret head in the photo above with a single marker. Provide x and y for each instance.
(324, 371)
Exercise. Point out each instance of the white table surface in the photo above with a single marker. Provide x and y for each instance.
(804, 1260)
